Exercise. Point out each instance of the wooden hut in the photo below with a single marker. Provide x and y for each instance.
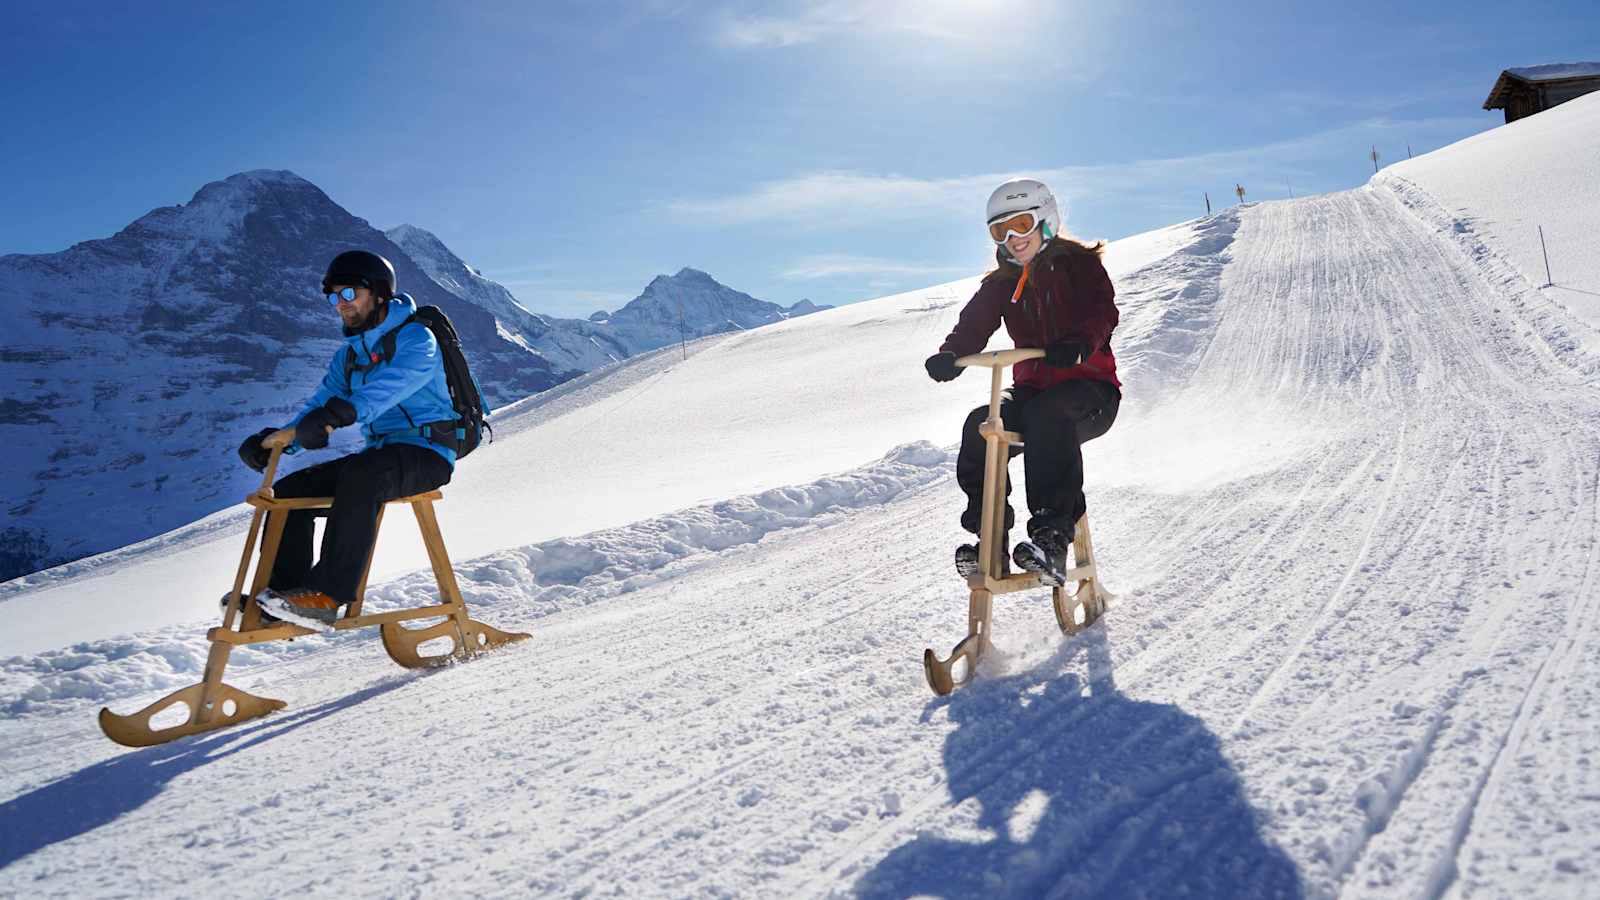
(1525, 91)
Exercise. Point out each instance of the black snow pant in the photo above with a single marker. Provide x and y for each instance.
(359, 484)
(1054, 424)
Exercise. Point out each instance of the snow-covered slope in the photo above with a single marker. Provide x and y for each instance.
(1496, 190)
(1350, 513)
(134, 365)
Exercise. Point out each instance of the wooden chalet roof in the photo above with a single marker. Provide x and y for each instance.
(1527, 75)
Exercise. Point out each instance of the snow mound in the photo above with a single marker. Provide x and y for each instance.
(508, 588)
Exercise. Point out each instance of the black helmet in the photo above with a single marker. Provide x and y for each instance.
(359, 268)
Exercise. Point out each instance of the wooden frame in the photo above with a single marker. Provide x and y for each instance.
(214, 704)
(1075, 609)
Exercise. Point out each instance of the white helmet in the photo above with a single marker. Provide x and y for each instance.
(1023, 195)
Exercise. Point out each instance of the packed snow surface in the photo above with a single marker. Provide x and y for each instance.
(1349, 514)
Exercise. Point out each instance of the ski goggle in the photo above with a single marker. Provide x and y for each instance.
(342, 295)
(1022, 223)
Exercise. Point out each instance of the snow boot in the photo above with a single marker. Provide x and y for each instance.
(1045, 551)
(968, 561)
(306, 608)
(266, 617)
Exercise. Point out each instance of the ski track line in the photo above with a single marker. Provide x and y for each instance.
(1581, 619)
(1435, 507)
(643, 814)
(1358, 839)
(644, 640)
(1223, 584)
(1286, 617)
(1317, 628)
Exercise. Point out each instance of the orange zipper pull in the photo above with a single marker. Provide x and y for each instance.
(1021, 282)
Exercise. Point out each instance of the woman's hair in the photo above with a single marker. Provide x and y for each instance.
(1098, 248)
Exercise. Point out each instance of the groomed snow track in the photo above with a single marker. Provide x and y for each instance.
(1352, 534)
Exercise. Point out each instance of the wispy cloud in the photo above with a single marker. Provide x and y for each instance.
(811, 21)
(819, 195)
(845, 199)
(833, 265)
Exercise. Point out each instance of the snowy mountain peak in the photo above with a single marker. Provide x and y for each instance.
(414, 238)
(220, 208)
(687, 275)
(447, 270)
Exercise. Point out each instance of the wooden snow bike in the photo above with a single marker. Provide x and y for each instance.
(214, 704)
(1076, 609)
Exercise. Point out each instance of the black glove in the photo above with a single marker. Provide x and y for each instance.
(1065, 354)
(311, 432)
(942, 366)
(254, 455)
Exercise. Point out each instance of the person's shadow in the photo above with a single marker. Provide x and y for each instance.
(1085, 793)
(97, 795)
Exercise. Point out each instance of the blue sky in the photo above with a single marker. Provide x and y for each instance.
(830, 150)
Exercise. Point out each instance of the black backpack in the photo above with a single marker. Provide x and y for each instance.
(465, 433)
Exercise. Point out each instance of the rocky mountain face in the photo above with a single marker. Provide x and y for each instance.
(568, 344)
(134, 365)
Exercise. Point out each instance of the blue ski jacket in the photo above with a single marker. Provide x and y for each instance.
(394, 400)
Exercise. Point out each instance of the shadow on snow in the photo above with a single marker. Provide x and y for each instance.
(99, 794)
(1085, 793)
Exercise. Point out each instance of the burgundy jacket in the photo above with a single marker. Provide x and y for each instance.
(1067, 296)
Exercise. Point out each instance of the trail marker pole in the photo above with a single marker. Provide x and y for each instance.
(1548, 281)
(1208, 203)
(683, 332)
(1408, 151)
(1374, 159)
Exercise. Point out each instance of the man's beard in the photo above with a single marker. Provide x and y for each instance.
(373, 318)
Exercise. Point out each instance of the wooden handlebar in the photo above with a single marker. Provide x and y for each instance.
(999, 359)
(279, 439)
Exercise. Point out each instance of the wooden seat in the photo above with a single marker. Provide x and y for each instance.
(270, 503)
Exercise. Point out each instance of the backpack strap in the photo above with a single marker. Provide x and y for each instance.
(445, 435)
(386, 351)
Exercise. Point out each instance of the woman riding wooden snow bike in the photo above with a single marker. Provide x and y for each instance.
(1076, 608)
(1056, 301)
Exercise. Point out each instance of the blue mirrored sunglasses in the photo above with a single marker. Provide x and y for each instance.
(342, 295)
